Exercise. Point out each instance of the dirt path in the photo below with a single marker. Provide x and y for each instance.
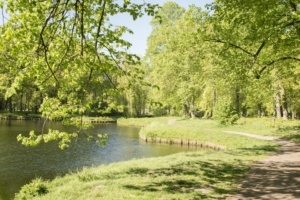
(262, 137)
(276, 177)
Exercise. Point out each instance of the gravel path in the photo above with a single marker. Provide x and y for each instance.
(275, 177)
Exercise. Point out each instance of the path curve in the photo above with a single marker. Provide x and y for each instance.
(262, 137)
(276, 177)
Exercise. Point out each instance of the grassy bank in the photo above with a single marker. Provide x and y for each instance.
(289, 130)
(19, 115)
(99, 119)
(140, 122)
(193, 175)
(186, 130)
(31, 116)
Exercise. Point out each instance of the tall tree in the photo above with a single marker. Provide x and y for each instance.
(66, 45)
(265, 32)
(176, 58)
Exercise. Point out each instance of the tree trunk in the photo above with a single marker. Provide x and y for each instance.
(214, 100)
(1, 104)
(21, 101)
(277, 106)
(10, 105)
(237, 101)
(27, 101)
(186, 110)
(259, 109)
(280, 98)
(192, 108)
(285, 113)
(294, 114)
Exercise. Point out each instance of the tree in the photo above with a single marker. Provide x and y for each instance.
(263, 33)
(176, 57)
(159, 52)
(66, 47)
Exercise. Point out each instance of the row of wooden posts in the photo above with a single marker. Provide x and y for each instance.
(185, 142)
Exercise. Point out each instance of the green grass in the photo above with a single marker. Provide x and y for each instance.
(140, 122)
(190, 130)
(289, 130)
(103, 119)
(204, 174)
(193, 175)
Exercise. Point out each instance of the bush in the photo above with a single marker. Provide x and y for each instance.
(159, 111)
(225, 113)
(33, 189)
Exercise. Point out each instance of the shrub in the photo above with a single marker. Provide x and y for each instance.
(159, 111)
(33, 189)
(225, 113)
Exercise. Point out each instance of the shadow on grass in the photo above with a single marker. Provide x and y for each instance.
(212, 179)
(290, 133)
(171, 186)
(199, 179)
(138, 170)
(258, 150)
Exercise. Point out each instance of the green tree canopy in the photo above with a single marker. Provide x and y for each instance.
(65, 48)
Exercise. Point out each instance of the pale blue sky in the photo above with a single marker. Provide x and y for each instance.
(141, 27)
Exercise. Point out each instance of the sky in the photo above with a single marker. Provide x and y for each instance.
(141, 27)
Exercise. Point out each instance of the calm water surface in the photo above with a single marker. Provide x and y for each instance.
(19, 164)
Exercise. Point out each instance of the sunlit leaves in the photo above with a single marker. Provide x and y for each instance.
(176, 54)
(263, 31)
(67, 50)
(254, 38)
(33, 139)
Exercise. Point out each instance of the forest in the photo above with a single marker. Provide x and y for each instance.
(235, 58)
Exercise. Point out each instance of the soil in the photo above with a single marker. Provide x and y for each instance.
(275, 177)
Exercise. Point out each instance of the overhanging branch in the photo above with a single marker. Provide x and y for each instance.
(100, 24)
(232, 45)
(277, 60)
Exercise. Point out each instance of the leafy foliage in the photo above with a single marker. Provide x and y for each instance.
(34, 189)
(225, 113)
(66, 50)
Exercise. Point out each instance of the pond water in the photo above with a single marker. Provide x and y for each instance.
(20, 164)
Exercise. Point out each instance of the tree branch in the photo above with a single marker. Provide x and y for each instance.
(259, 49)
(283, 58)
(293, 5)
(277, 60)
(46, 58)
(99, 25)
(294, 22)
(230, 44)
(82, 29)
(114, 85)
(113, 58)
(42, 41)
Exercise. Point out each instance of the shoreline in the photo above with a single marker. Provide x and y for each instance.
(184, 142)
(93, 120)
